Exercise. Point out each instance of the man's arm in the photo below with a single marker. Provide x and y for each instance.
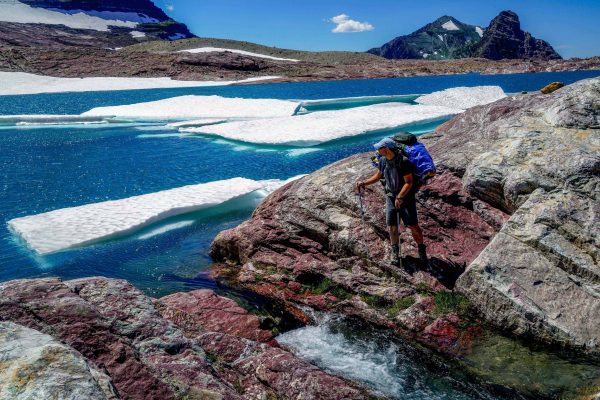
(373, 179)
(408, 183)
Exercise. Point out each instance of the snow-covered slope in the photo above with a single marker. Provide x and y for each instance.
(15, 11)
(243, 52)
(12, 83)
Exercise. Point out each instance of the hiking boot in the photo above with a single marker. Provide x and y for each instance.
(423, 257)
(395, 256)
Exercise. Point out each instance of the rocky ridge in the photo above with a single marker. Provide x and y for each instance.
(448, 38)
(514, 207)
(99, 338)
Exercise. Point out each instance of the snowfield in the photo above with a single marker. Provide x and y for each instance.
(450, 26)
(479, 31)
(463, 97)
(16, 11)
(200, 107)
(14, 83)
(243, 52)
(315, 128)
(78, 226)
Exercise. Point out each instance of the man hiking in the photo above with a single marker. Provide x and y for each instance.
(400, 189)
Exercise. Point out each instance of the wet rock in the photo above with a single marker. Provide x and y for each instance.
(218, 314)
(172, 348)
(35, 365)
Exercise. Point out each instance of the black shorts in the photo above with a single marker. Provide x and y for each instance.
(407, 211)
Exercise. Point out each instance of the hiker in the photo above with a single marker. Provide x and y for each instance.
(400, 189)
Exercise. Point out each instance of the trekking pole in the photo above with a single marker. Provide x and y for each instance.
(364, 224)
(399, 238)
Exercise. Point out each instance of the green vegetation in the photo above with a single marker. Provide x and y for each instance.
(374, 301)
(326, 285)
(326, 57)
(422, 288)
(400, 305)
(447, 302)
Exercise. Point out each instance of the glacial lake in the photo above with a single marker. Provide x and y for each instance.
(49, 167)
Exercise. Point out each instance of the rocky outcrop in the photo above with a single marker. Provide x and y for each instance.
(114, 336)
(526, 167)
(35, 365)
(444, 38)
(504, 38)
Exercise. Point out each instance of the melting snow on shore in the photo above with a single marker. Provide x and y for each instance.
(463, 97)
(78, 226)
(243, 52)
(15, 83)
(315, 128)
(200, 107)
(15, 11)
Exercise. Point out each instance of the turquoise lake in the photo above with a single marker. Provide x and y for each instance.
(49, 167)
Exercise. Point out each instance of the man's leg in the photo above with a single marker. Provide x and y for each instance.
(391, 219)
(417, 233)
(408, 211)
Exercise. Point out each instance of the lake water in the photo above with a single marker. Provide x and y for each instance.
(43, 168)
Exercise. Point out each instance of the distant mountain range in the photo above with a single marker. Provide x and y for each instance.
(448, 38)
(90, 23)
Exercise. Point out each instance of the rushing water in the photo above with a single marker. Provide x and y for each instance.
(43, 168)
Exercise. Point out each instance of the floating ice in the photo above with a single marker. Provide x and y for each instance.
(78, 226)
(166, 228)
(200, 107)
(450, 26)
(197, 122)
(312, 129)
(48, 119)
(15, 11)
(13, 83)
(463, 97)
(243, 52)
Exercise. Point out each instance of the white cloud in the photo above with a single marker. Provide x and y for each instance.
(170, 7)
(344, 25)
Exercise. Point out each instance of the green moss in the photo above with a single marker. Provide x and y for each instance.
(400, 305)
(326, 285)
(375, 301)
(422, 288)
(237, 385)
(448, 302)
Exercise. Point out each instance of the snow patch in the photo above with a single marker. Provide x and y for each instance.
(440, 37)
(137, 34)
(243, 52)
(463, 97)
(200, 107)
(450, 26)
(79, 226)
(14, 83)
(312, 129)
(479, 31)
(16, 11)
(138, 18)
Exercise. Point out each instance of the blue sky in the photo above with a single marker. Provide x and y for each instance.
(571, 26)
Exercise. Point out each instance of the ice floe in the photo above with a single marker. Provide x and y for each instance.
(49, 119)
(200, 107)
(78, 226)
(197, 122)
(463, 97)
(243, 52)
(15, 11)
(14, 83)
(315, 128)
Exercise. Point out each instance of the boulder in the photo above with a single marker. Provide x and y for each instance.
(552, 87)
(526, 166)
(35, 365)
(112, 334)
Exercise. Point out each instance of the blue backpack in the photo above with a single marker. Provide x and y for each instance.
(417, 155)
